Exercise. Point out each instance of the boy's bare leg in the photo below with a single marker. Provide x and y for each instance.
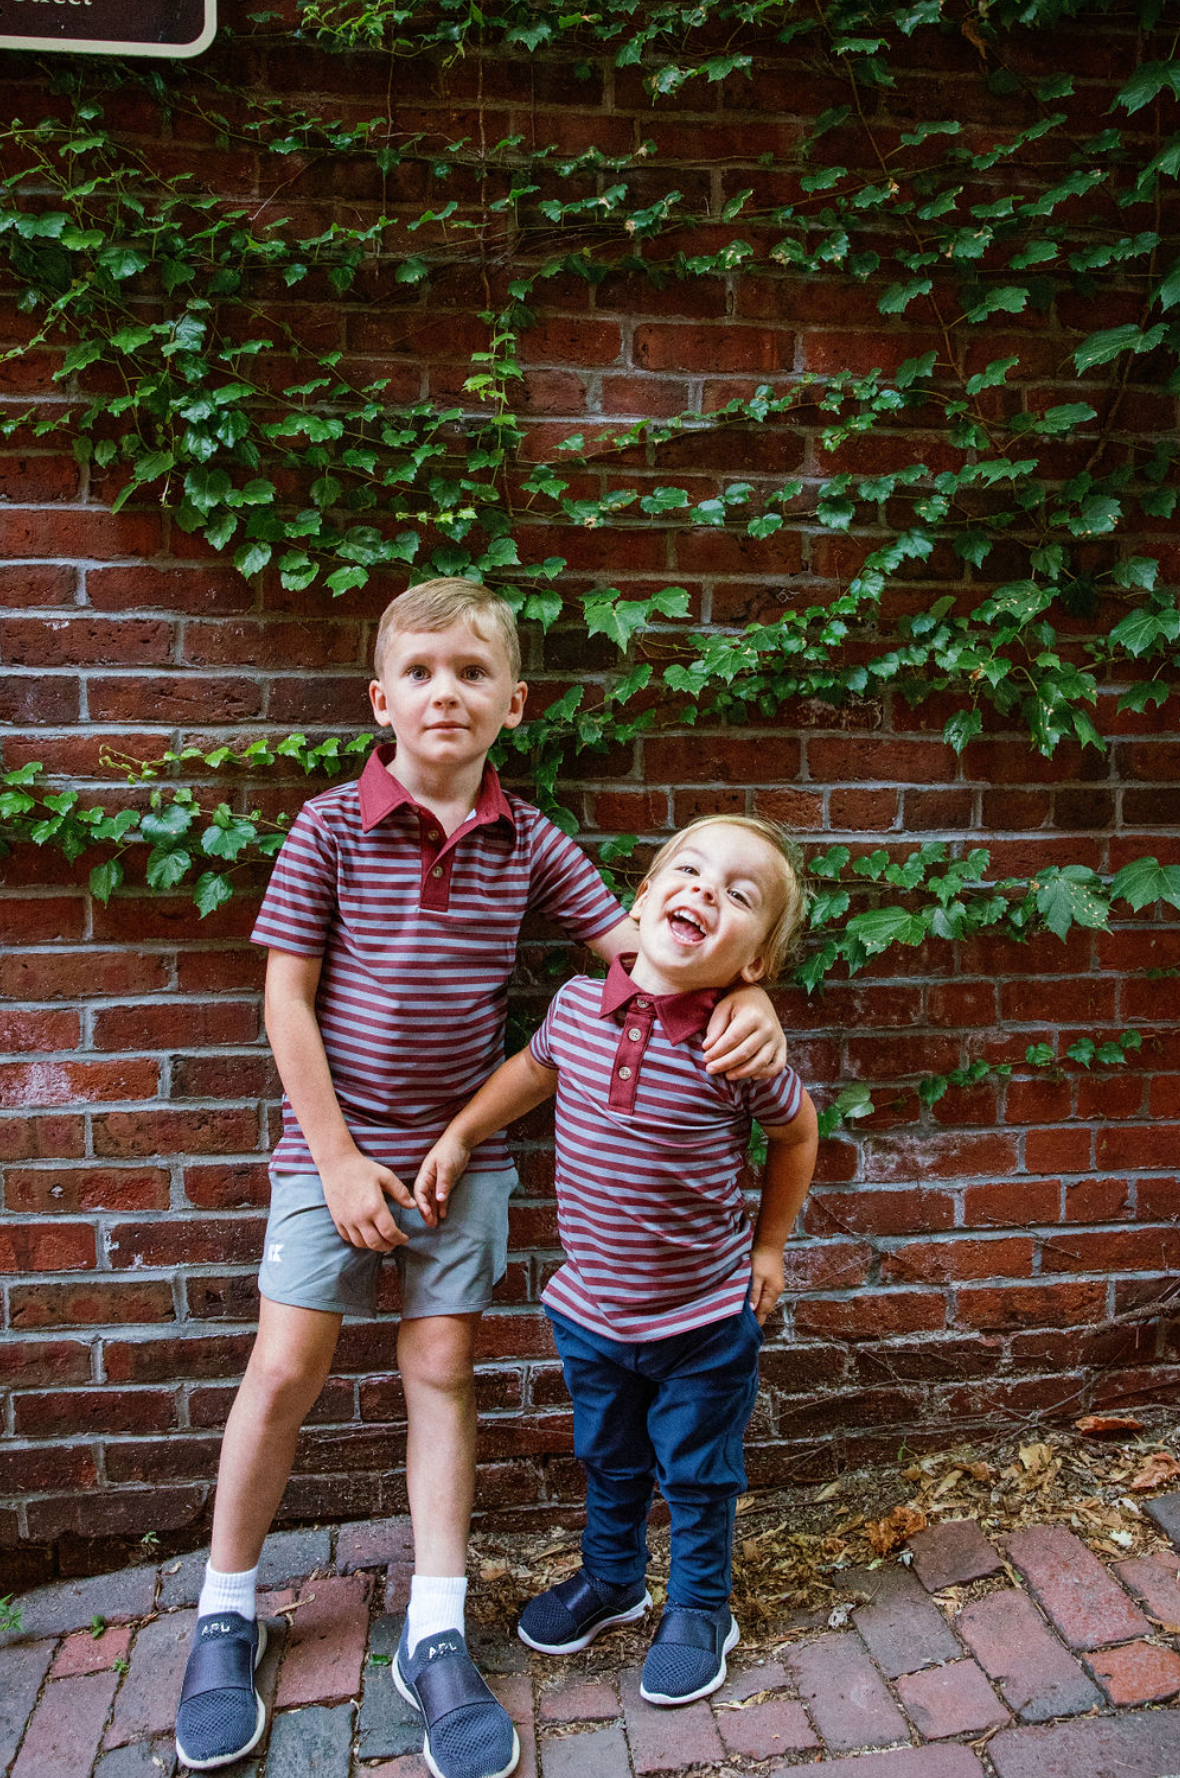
(288, 1367)
(436, 1358)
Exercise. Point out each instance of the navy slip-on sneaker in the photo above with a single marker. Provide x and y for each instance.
(686, 1660)
(570, 1615)
(467, 1731)
(221, 1717)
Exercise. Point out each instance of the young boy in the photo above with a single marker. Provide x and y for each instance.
(658, 1308)
(392, 918)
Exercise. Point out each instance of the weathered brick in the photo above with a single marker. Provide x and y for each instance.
(1146, 1745)
(1137, 1673)
(763, 1731)
(72, 1605)
(952, 1553)
(326, 1645)
(602, 1753)
(1155, 1582)
(908, 1762)
(902, 1626)
(84, 1652)
(310, 1741)
(1037, 1677)
(954, 1699)
(1088, 1607)
(579, 1700)
(668, 1740)
(22, 1669)
(149, 1696)
(845, 1695)
(64, 1731)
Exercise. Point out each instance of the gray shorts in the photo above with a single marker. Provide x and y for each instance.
(448, 1270)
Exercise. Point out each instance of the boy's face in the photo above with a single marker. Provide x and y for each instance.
(446, 694)
(704, 917)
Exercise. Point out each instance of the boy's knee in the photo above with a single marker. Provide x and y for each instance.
(438, 1352)
(285, 1380)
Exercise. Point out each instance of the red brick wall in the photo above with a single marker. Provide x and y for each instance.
(1003, 1255)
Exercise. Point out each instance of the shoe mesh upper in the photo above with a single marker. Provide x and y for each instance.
(472, 1742)
(214, 1724)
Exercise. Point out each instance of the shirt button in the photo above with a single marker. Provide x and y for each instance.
(437, 871)
(643, 1003)
(635, 1034)
(433, 834)
(624, 1074)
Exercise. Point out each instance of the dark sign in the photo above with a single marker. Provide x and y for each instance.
(109, 27)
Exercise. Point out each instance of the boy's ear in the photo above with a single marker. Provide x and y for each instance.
(640, 898)
(520, 692)
(378, 701)
(753, 971)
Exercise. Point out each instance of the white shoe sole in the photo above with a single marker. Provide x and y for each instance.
(718, 1679)
(227, 1759)
(632, 1615)
(412, 1701)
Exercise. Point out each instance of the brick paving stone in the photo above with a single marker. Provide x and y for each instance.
(515, 1692)
(1165, 1510)
(761, 1731)
(181, 1582)
(846, 1696)
(600, 1754)
(1037, 1676)
(907, 1762)
(770, 1676)
(387, 1726)
(141, 1759)
(495, 1652)
(953, 1553)
(83, 1653)
(374, 1543)
(901, 1624)
(68, 1605)
(311, 1743)
(1137, 1673)
(289, 1555)
(409, 1765)
(66, 1727)
(397, 1588)
(22, 1669)
(1087, 1605)
(951, 1700)
(1155, 1582)
(668, 1740)
(1142, 1745)
(579, 1700)
(326, 1644)
(149, 1695)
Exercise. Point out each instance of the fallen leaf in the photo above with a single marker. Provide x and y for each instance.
(1160, 1467)
(1098, 1425)
(887, 1533)
(1035, 1457)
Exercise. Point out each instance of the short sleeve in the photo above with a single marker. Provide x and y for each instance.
(565, 887)
(300, 898)
(776, 1102)
(541, 1041)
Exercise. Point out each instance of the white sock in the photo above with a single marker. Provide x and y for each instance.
(436, 1604)
(229, 1592)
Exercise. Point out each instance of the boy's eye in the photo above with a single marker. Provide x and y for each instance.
(417, 673)
(690, 870)
(740, 896)
(473, 673)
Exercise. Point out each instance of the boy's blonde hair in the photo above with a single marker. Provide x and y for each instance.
(784, 930)
(436, 604)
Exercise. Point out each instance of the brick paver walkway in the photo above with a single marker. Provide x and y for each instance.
(1019, 1657)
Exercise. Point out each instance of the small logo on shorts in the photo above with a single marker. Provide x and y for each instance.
(274, 1253)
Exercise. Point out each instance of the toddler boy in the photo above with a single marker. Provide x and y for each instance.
(392, 918)
(657, 1310)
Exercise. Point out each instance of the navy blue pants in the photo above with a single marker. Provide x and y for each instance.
(672, 1410)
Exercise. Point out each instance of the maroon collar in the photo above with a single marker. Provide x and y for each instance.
(681, 1015)
(381, 793)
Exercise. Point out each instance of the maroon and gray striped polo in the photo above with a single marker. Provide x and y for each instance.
(649, 1149)
(418, 936)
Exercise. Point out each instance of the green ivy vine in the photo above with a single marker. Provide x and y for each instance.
(182, 379)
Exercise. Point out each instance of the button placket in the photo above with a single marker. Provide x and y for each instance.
(629, 1053)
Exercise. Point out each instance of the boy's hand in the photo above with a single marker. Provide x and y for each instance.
(355, 1191)
(439, 1173)
(767, 1282)
(744, 1040)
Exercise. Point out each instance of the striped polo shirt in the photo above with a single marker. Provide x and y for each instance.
(649, 1150)
(418, 937)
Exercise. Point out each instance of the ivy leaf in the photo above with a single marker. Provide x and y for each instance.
(1149, 79)
(211, 891)
(882, 927)
(1101, 347)
(175, 820)
(1145, 880)
(1066, 897)
(962, 727)
(1008, 299)
(252, 558)
(105, 879)
(166, 866)
(898, 297)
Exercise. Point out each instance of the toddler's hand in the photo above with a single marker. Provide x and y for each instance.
(439, 1173)
(355, 1191)
(767, 1281)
